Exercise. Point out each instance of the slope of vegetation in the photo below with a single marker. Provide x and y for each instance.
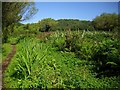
(64, 53)
(48, 63)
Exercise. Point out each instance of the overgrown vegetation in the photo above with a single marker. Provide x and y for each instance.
(100, 47)
(13, 12)
(66, 60)
(64, 53)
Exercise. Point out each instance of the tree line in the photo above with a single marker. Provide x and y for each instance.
(13, 13)
(105, 22)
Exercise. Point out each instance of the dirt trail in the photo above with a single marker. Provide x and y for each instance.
(12, 53)
(8, 58)
(6, 63)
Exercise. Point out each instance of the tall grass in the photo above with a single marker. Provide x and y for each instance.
(28, 58)
(50, 64)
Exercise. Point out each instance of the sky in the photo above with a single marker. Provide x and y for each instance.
(72, 10)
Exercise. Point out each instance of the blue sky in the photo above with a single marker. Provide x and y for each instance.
(72, 10)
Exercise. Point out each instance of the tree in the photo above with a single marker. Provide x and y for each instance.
(74, 24)
(13, 12)
(106, 22)
(47, 24)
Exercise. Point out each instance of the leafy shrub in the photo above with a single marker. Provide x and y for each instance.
(15, 40)
(57, 40)
(27, 58)
(85, 50)
(100, 47)
(69, 40)
(107, 57)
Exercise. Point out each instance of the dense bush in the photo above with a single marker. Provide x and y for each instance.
(39, 65)
(100, 47)
(15, 40)
(106, 22)
(107, 57)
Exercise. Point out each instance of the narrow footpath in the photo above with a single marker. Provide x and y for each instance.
(8, 58)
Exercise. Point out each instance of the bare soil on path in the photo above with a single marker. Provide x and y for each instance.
(5, 64)
(8, 58)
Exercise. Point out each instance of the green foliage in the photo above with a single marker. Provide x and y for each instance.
(100, 47)
(47, 24)
(66, 58)
(5, 50)
(73, 24)
(15, 40)
(31, 28)
(28, 55)
(107, 57)
(106, 22)
(13, 12)
(57, 40)
(39, 64)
